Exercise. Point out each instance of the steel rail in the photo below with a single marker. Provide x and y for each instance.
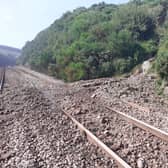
(153, 130)
(94, 140)
(2, 80)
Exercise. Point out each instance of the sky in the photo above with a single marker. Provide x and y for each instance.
(21, 20)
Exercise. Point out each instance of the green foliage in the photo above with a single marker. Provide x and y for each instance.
(74, 71)
(162, 60)
(100, 41)
(159, 86)
(121, 65)
(150, 47)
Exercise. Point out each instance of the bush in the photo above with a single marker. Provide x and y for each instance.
(161, 62)
(100, 41)
(75, 71)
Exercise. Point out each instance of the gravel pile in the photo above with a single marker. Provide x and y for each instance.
(131, 143)
(34, 133)
(140, 90)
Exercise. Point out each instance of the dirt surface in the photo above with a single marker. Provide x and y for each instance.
(35, 133)
(129, 142)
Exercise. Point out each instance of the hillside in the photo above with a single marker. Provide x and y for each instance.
(101, 41)
(8, 55)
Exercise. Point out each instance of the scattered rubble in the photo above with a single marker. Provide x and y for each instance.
(39, 135)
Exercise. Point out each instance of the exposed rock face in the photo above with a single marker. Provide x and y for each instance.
(146, 66)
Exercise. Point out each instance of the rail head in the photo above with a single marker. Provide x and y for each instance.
(93, 139)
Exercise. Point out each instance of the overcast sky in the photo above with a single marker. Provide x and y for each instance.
(21, 20)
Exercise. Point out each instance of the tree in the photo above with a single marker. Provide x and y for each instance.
(99, 41)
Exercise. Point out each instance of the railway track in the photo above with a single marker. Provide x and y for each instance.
(134, 141)
(137, 97)
(97, 142)
(38, 134)
(148, 115)
(149, 128)
(128, 141)
(2, 79)
(123, 162)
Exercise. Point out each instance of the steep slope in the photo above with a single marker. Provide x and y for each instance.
(100, 41)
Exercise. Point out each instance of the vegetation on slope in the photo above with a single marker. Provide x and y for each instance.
(101, 41)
